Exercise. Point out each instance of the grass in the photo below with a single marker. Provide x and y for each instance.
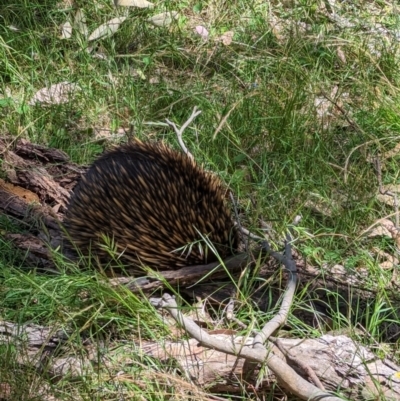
(293, 110)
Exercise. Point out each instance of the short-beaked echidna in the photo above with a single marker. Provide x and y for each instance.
(155, 204)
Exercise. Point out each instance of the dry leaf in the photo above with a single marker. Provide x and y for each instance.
(57, 94)
(107, 29)
(325, 109)
(134, 3)
(154, 80)
(382, 227)
(66, 30)
(389, 261)
(163, 19)
(226, 38)
(391, 153)
(202, 31)
(99, 55)
(80, 23)
(379, 231)
(322, 106)
(341, 55)
(389, 264)
(277, 28)
(388, 224)
(388, 197)
(5, 391)
(322, 205)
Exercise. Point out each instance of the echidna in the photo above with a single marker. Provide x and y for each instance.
(156, 205)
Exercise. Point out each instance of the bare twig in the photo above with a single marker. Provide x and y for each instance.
(279, 319)
(249, 234)
(376, 223)
(180, 131)
(286, 376)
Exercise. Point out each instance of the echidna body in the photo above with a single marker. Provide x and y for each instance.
(155, 204)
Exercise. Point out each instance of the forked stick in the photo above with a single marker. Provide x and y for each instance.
(180, 131)
(286, 376)
(280, 318)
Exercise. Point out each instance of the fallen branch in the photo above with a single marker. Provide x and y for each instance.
(337, 360)
(286, 376)
(280, 318)
(184, 276)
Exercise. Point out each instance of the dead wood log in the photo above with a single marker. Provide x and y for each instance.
(340, 363)
(184, 276)
(337, 362)
(36, 345)
(12, 204)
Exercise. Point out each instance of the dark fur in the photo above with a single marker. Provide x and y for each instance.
(153, 201)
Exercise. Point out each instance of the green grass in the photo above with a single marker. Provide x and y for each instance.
(277, 150)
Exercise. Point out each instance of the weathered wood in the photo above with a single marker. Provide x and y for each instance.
(340, 363)
(46, 172)
(31, 213)
(184, 276)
